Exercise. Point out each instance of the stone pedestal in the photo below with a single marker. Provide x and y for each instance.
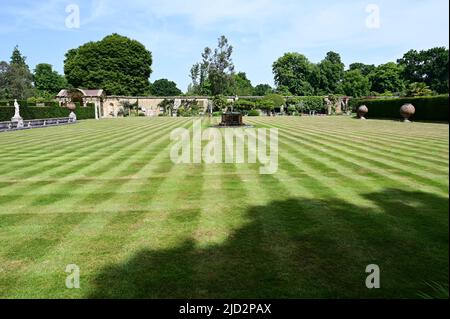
(18, 120)
(232, 119)
(73, 117)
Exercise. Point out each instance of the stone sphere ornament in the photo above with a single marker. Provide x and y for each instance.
(71, 106)
(407, 111)
(362, 111)
(72, 116)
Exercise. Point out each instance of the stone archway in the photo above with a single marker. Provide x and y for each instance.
(76, 95)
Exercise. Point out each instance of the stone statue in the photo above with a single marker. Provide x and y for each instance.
(16, 116)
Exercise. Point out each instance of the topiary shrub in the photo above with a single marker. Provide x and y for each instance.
(244, 105)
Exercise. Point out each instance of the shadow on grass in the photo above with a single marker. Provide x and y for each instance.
(300, 248)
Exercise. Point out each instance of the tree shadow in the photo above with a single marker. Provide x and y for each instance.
(300, 248)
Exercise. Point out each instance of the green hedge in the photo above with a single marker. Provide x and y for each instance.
(30, 113)
(430, 108)
(253, 113)
(24, 103)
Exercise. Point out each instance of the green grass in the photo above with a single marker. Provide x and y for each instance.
(104, 195)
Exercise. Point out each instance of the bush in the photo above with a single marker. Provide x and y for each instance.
(292, 109)
(253, 113)
(312, 103)
(430, 108)
(219, 103)
(50, 104)
(217, 114)
(278, 100)
(244, 105)
(31, 113)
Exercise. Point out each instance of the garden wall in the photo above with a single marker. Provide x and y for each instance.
(429, 108)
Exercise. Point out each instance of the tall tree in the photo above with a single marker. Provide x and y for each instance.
(214, 74)
(242, 85)
(48, 81)
(428, 66)
(294, 71)
(331, 73)
(16, 78)
(365, 69)
(117, 64)
(355, 84)
(164, 87)
(17, 59)
(262, 89)
(387, 78)
(4, 71)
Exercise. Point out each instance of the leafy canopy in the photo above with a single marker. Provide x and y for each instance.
(48, 81)
(214, 75)
(117, 64)
(164, 87)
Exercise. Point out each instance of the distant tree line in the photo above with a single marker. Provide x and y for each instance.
(417, 73)
(122, 66)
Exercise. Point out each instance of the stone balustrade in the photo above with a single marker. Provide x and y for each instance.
(29, 124)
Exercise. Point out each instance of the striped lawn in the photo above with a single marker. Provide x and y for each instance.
(105, 196)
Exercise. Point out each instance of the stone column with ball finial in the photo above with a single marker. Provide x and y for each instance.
(72, 116)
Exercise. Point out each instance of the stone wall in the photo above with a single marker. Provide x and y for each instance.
(150, 105)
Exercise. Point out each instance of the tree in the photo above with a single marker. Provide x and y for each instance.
(262, 89)
(164, 87)
(15, 78)
(331, 73)
(17, 59)
(282, 90)
(242, 85)
(117, 64)
(244, 105)
(220, 103)
(270, 102)
(387, 78)
(214, 74)
(429, 66)
(167, 106)
(294, 71)
(266, 104)
(4, 70)
(355, 84)
(48, 81)
(418, 89)
(365, 69)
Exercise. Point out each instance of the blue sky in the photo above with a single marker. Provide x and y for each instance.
(176, 31)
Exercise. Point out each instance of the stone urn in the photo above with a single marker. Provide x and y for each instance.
(407, 111)
(362, 111)
(71, 107)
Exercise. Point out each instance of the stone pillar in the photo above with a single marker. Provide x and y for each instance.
(96, 110)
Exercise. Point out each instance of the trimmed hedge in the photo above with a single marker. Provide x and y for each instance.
(31, 113)
(429, 108)
(24, 103)
(253, 113)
